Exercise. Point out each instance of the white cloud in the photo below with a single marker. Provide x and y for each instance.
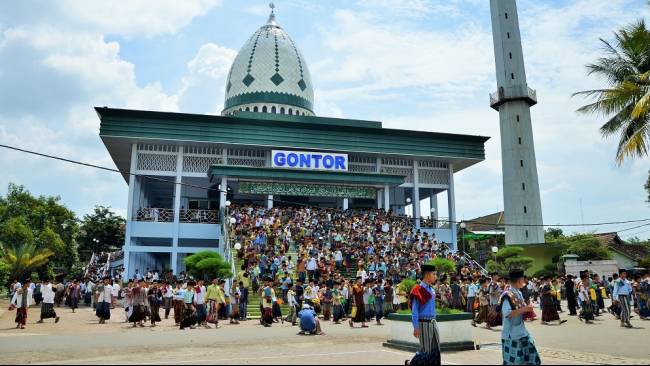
(203, 86)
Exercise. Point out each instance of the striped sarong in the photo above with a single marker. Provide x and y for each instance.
(624, 302)
(430, 341)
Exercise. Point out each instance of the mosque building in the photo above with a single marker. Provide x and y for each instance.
(269, 148)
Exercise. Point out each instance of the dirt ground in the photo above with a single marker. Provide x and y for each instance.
(79, 339)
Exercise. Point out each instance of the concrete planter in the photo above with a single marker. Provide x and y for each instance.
(455, 333)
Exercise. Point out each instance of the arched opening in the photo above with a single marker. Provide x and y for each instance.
(255, 109)
(290, 112)
(282, 110)
(273, 110)
(248, 109)
(264, 109)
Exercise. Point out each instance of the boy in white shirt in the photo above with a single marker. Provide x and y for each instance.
(47, 307)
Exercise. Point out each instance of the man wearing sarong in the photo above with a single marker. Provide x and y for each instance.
(622, 293)
(517, 346)
(586, 308)
(359, 310)
(188, 319)
(266, 303)
(484, 304)
(549, 309)
(168, 298)
(179, 297)
(154, 298)
(21, 301)
(138, 301)
(423, 315)
(104, 298)
(75, 295)
(215, 298)
(47, 307)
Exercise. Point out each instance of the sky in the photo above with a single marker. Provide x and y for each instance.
(412, 64)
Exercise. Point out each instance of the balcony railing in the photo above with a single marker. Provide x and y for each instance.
(439, 223)
(185, 216)
(199, 216)
(503, 95)
(155, 215)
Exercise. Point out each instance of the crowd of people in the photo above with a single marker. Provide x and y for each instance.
(340, 266)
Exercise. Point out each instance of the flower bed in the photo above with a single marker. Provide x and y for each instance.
(455, 332)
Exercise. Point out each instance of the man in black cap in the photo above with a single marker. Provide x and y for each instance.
(423, 310)
(517, 346)
(622, 293)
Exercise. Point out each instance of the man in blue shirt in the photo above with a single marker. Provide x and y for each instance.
(423, 310)
(309, 323)
(622, 293)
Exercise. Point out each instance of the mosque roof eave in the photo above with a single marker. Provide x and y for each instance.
(121, 127)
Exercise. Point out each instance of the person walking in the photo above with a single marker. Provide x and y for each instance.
(623, 292)
(105, 295)
(517, 345)
(423, 315)
(47, 307)
(21, 301)
(569, 286)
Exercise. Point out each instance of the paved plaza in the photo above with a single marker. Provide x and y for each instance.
(77, 339)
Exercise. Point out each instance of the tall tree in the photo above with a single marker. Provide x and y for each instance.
(101, 231)
(625, 100)
(42, 221)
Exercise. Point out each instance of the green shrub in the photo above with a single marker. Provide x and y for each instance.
(407, 285)
(208, 265)
(443, 265)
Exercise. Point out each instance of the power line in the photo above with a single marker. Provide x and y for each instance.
(299, 203)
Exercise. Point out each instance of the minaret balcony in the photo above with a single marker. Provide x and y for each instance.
(513, 93)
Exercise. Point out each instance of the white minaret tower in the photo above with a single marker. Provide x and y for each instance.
(513, 100)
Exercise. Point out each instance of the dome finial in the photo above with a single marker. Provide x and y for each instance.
(272, 16)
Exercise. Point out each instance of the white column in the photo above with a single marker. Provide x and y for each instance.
(222, 192)
(177, 204)
(379, 198)
(451, 200)
(345, 204)
(386, 198)
(269, 201)
(433, 202)
(174, 261)
(417, 214)
(130, 208)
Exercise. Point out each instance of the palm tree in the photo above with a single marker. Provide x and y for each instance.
(24, 259)
(626, 99)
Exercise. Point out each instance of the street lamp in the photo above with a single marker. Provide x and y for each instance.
(233, 221)
(495, 250)
(462, 227)
(237, 246)
(228, 203)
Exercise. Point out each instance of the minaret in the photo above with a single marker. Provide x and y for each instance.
(513, 100)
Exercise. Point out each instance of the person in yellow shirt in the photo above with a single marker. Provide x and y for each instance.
(215, 296)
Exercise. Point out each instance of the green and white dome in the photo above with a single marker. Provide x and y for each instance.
(269, 75)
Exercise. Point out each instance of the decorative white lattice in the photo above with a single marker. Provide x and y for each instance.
(432, 164)
(246, 153)
(203, 150)
(200, 164)
(397, 162)
(431, 176)
(252, 162)
(358, 159)
(406, 172)
(157, 162)
(362, 168)
(158, 148)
